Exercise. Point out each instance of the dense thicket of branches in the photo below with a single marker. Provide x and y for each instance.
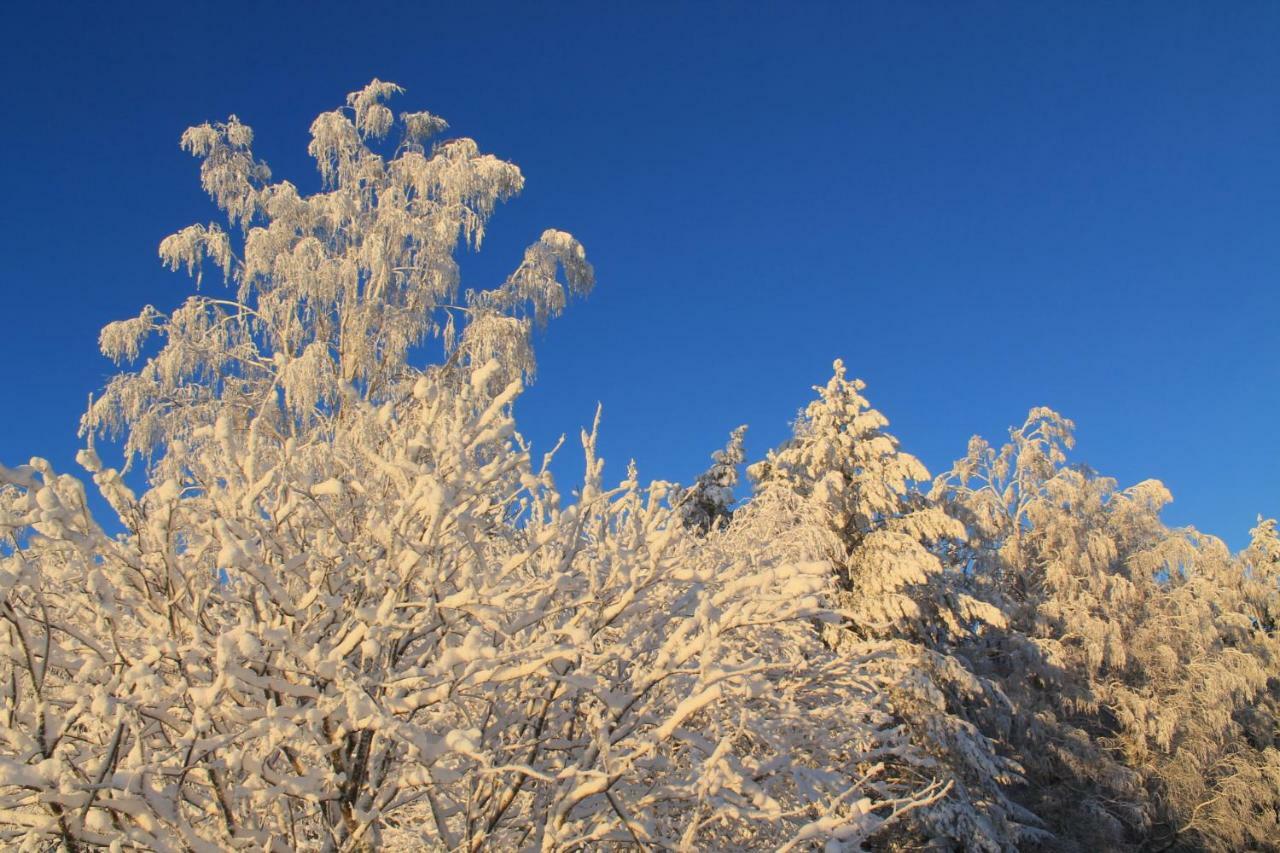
(348, 610)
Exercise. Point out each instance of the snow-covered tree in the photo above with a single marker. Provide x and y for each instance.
(332, 290)
(348, 611)
(1042, 539)
(841, 490)
(709, 501)
(1131, 652)
(1262, 575)
(1198, 708)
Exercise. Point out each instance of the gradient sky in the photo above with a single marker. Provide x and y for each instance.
(981, 207)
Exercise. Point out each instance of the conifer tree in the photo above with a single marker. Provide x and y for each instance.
(709, 502)
(843, 478)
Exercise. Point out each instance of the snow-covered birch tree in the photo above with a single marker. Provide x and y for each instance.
(1138, 655)
(1040, 539)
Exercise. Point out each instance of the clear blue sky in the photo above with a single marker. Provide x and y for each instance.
(981, 207)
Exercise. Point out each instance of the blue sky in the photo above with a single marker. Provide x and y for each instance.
(981, 207)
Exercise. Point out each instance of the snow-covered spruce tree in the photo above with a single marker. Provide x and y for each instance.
(709, 501)
(841, 490)
(347, 610)
(1130, 652)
